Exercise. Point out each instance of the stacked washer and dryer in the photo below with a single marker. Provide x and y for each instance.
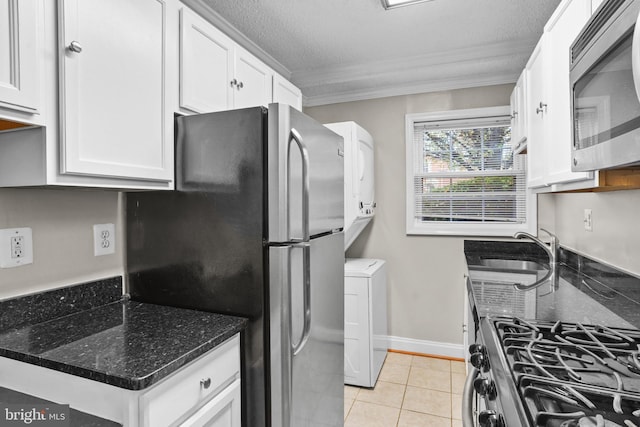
(365, 281)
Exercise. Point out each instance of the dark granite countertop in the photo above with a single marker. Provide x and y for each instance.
(116, 341)
(586, 290)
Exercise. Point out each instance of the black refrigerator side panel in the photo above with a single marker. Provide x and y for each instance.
(201, 247)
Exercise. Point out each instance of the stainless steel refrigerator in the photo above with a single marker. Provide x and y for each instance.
(254, 228)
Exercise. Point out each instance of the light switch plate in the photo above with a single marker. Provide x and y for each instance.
(16, 247)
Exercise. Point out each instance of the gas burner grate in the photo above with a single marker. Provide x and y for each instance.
(570, 374)
(553, 403)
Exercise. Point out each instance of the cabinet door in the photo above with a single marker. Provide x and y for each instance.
(285, 92)
(561, 33)
(518, 112)
(113, 71)
(513, 108)
(221, 411)
(206, 65)
(253, 87)
(536, 115)
(18, 55)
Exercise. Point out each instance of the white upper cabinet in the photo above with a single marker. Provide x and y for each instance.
(215, 73)
(206, 65)
(115, 109)
(253, 81)
(19, 49)
(103, 79)
(518, 116)
(285, 92)
(561, 32)
(536, 111)
(549, 101)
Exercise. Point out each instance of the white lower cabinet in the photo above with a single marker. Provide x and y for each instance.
(221, 411)
(205, 392)
(207, 386)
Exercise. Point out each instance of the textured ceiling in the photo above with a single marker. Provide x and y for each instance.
(338, 50)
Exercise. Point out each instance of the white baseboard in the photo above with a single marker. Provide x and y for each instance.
(426, 347)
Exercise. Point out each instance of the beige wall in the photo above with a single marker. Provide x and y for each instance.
(62, 224)
(425, 274)
(615, 238)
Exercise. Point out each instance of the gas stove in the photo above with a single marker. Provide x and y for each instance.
(557, 374)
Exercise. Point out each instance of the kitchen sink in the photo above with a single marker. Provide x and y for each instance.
(511, 264)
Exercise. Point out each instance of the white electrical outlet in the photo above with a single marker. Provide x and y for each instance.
(16, 247)
(104, 239)
(588, 220)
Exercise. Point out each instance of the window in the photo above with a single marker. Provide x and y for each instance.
(463, 177)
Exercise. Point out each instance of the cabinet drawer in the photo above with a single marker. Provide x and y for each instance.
(221, 411)
(182, 393)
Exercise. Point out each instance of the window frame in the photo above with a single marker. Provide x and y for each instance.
(416, 227)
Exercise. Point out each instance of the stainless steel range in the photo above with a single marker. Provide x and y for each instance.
(536, 373)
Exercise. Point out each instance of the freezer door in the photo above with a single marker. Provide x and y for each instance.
(305, 171)
(307, 376)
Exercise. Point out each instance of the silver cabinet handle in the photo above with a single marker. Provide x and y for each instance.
(306, 249)
(205, 383)
(542, 108)
(75, 46)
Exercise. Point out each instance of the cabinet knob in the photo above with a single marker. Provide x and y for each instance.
(205, 383)
(75, 46)
(240, 85)
(542, 108)
(233, 82)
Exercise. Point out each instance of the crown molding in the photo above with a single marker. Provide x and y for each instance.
(203, 9)
(469, 67)
(410, 89)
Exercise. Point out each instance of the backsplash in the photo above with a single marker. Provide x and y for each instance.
(59, 302)
(615, 238)
(62, 224)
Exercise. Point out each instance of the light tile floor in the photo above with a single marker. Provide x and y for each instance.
(412, 391)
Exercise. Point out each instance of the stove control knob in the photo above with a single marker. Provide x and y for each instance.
(477, 348)
(489, 419)
(485, 387)
(478, 360)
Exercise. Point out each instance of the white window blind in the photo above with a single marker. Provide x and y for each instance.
(465, 172)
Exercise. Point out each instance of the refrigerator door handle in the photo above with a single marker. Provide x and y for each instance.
(294, 135)
(306, 291)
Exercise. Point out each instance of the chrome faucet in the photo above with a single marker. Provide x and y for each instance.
(552, 249)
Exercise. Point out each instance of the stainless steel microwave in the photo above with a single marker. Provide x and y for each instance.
(605, 85)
